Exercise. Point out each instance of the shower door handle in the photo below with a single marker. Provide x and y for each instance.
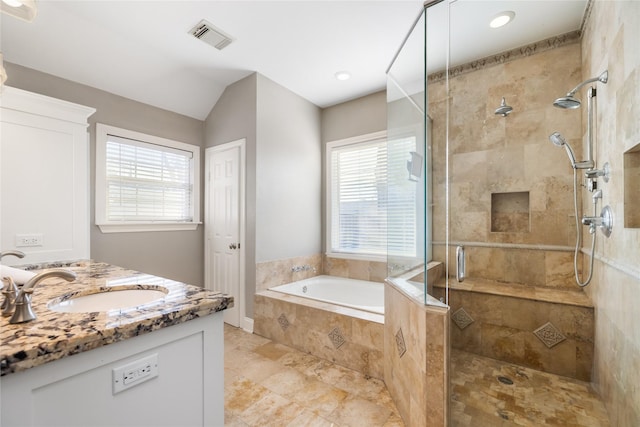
(460, 268)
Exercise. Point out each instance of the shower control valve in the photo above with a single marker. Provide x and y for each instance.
(604, 221)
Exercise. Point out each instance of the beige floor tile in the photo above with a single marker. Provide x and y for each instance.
(271, 410)
(242, 394)
(309, 419)
(355, 411)
(268, 384)
(319, 397)
(285, 382)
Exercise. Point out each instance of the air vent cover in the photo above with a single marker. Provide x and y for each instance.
(206, 32)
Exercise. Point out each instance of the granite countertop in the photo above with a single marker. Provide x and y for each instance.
(54, 335)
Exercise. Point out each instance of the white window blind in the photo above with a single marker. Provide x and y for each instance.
(403, 195)
(364, 218)
(147, 182)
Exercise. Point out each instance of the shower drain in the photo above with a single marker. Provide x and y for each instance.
(505, 380)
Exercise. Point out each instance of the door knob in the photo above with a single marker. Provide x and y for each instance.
(232, 246)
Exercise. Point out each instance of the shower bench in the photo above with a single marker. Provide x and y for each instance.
(544, 328)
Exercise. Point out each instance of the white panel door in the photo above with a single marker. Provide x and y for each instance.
(223, 214)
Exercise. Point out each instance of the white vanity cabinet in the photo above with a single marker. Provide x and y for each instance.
(185, 388)
(44, 177)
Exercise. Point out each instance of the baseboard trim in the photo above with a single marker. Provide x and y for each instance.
(247, 325)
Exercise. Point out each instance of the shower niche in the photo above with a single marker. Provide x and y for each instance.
(510, 212)
(632, 187)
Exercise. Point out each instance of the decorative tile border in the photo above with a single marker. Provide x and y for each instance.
(336, 338)
(461, 318)
(283, 321)
(508, 56)
(400, 344)
(549, 335)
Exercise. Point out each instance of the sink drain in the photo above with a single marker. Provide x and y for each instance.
(505, 380)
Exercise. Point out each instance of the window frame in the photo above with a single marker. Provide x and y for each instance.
(102, 133)
(330, 146)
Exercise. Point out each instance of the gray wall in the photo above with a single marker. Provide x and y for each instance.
(352, 118)
(176, 255)
(282, 131)
(232, 118)
(288, 174)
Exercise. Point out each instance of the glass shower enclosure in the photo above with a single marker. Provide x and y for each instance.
(411, 186)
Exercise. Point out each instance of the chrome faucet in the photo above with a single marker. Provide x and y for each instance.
(23, 311)
(18, 254)
(9, 290)
(305, 267)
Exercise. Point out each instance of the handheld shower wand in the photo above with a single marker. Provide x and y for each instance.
(559, 141)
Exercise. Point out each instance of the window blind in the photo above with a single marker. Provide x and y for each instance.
(147, 182)
(365, 218)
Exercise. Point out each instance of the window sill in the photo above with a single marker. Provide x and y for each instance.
(359, 257)
(151, 226)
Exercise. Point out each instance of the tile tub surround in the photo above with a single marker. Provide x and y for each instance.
(416, 359)
(374, 271)
(55, 335)
(279, 272)
(551, 330)
(345, 336)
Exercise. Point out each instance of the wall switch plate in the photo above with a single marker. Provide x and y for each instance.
(24, 240)
(135, 373)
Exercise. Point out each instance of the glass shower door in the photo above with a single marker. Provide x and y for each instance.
(416, 132)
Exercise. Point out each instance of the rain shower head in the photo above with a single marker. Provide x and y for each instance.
(558, 140)
(504, 109)
(569, 101)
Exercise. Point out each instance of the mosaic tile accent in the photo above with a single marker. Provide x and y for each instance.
(336, 338)
(283, 321)
(461, 318)
(508, 56)
(549, 335)
(402, 348)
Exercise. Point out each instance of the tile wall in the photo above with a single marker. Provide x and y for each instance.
(416, 359)
(509, 185)
(611, 41)
(279, 272)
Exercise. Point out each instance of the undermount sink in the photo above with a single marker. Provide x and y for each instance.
(107, 299)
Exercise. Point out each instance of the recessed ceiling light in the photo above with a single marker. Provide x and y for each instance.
(13, 3)
(343, 75)
(502, 19)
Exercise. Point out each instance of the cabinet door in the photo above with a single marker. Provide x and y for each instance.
(44, 180)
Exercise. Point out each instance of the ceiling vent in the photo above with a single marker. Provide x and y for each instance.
(211, 35)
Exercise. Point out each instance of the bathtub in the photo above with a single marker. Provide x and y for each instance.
(358, 294)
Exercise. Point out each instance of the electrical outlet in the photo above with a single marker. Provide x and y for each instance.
(24, 240)
(135, 373)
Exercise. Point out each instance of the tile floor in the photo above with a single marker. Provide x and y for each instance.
(535, 398)
(269, 384)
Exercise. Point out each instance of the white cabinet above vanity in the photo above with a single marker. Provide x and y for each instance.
(44, 176)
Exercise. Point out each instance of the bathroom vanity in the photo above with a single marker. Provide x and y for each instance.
(157, 363)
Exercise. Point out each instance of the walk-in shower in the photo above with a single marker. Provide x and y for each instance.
(603, 220)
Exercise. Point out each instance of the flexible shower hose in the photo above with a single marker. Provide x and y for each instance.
(579, 236)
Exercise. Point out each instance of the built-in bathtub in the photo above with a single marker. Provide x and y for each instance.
(357, 294)
(326, 320)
